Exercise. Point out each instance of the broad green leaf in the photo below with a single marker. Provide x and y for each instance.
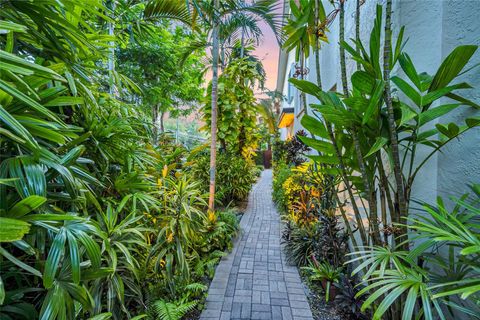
(408, 113)
(54, 257)
(472, 122)
(319, 145)
(432, 114)
(363, 81)
(324, 159)
(26, 206)
(12, 229)
(408, 90)
(437, 94)
(452, 66)
(306, 86)
(409, 69)
(314, 126)
(374, 101)
(64, 101)
(379, 143)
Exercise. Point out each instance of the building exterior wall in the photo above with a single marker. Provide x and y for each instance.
(433, 29)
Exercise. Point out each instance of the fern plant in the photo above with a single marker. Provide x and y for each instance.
(164, 310)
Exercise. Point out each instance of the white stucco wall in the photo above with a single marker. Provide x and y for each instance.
(433, 29)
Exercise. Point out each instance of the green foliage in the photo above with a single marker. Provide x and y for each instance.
(355, 136)
(323, 272)
(164, 310)
(81, 211)
(173, 86)
(235, 176)
(429, 280)
(281, 174)
(300, 243)
(237, 107)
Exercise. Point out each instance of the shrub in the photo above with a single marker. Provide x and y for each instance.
(281, 173)
(295, 149)
(234, 176)
(300, 243)
(298, 191)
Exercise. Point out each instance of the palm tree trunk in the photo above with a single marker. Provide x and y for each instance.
(397, 168)
(213, 145)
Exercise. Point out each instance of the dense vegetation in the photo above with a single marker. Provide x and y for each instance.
(104, 215)
(369, 144)
(101, 213)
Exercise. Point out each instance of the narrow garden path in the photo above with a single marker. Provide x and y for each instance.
(255, 281)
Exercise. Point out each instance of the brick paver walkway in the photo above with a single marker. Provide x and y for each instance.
(255, 281)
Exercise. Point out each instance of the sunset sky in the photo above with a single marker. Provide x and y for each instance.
(268, 51)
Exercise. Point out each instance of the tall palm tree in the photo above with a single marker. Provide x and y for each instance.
(213, 134)
(222, 20)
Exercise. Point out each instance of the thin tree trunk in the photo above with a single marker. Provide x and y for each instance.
(111, 54)
(343, 66)
(347, 222)
(356, 211)
(303, 97)
(242, 44)
(213, 145)
(317, 50)
(222, 57)
(155, 125)
(357, 29)
(397, 169)
(162, 122)
(369, 189)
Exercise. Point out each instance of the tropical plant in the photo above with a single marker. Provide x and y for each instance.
(332, 240)
(325, 273)
(237, 118)
(165, 310)
(235, 176)
(429, 290)
(160, 94)
(346, 299)
(299, 243)
(223, 19)
(366, 106)
(180, 218)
